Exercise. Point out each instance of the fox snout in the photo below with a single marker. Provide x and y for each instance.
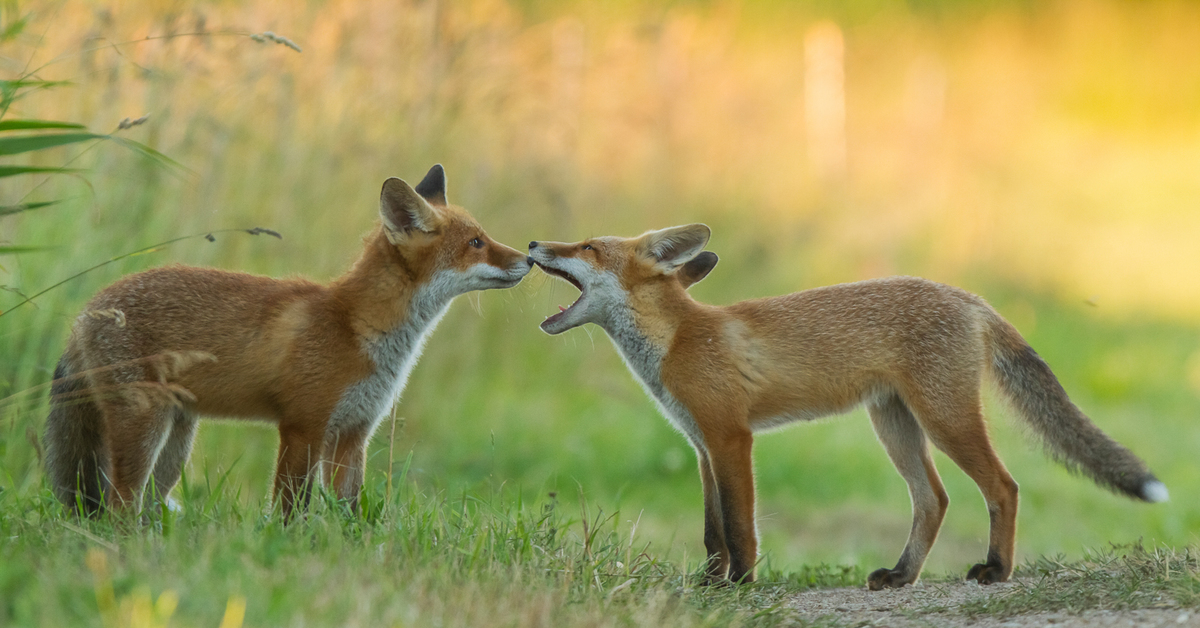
(516, 263)
(542, 252)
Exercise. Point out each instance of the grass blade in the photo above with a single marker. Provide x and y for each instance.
(15, 125)
(24, 207)
(150, 249)
(9, 171)
(10, 250)
(26, 143)
(139, 147)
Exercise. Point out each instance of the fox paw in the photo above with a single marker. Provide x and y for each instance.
(887, 579)
(988, 573)
(713, 580)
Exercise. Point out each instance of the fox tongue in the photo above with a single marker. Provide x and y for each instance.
(562, 309)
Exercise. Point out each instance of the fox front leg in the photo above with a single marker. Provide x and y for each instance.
(733, 472)
(714, 527)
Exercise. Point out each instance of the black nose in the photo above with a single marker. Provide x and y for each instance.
(533, 245)
(529, 260)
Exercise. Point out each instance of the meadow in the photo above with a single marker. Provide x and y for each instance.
(1046, 157)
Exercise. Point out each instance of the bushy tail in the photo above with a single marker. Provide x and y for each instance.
(75, 457)
(1070, 437)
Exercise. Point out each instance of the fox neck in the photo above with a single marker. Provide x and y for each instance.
(392, 313)
(643, 328)
(383, 292)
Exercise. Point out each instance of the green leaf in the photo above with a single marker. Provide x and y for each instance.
(24, 207)
(9, 250)
(12, 125)
(19, 83)
(26, 143)
(8, 171)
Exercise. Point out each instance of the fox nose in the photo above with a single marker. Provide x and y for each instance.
(533, 245)
(529, 260)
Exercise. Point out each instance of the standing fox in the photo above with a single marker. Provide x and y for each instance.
(324, 362)
(911, 350)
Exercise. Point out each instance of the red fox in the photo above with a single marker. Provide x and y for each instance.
(324, 362)
(913, 351)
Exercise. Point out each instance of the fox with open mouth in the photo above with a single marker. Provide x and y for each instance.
(913, 351)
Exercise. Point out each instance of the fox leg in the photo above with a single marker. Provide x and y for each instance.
(300, 449)
(345, 467)
(175, 452)
(959, 430)
(714, 527)
(135, 433)
(908, 449)
(733, 471)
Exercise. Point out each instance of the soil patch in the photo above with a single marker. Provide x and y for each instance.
(938, 604)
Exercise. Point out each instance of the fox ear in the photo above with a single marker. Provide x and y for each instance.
(433, 187)
(697, 269)
(675, 246)
(404, 210)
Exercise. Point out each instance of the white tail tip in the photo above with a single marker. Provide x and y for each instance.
(1155, 492)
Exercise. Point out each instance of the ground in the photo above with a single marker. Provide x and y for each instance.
(942, 604)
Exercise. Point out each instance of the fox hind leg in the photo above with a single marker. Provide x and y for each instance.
(136, 434)
(175, 452)
(908, 449)
(959, 430)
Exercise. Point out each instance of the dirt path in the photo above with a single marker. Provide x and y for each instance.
(936, 604)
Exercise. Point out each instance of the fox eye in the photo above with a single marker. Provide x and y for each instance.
(476, 243)
(587, 247)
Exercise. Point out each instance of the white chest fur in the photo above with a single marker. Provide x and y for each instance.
(394, 354)
(644, 360)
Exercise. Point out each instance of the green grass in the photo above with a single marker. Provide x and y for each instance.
(1118, 578)
(462, 558)
(497, 415)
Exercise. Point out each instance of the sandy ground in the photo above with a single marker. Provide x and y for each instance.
(910, 606)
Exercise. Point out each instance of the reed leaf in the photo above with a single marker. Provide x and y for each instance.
(14, 125)
(24, 207)
(26, 143)
(9, 171)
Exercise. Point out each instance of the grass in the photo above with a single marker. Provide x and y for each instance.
(1052, 172)
(1118, 578)
(412, 558)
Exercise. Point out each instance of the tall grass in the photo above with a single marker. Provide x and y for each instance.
(1044, 157)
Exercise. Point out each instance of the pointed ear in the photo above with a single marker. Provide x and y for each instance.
(403, 210)
(697, 269)
(675, 246)
(433, 187)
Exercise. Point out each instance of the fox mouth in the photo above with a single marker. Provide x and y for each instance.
(562, 311)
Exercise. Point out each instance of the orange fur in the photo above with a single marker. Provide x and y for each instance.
(323, 362)
(913, 351)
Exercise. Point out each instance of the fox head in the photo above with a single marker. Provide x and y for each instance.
(438, 244)
(620, 276)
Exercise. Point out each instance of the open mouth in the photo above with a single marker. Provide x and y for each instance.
(562, 311)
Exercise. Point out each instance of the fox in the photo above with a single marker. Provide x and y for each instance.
(913, 351)
(323, 362)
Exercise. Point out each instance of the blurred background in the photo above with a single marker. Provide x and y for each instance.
(1044, 155)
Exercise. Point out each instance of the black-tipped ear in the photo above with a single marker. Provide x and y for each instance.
(697, 269)
(433, 187)
(403, 210)
(675, 246)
